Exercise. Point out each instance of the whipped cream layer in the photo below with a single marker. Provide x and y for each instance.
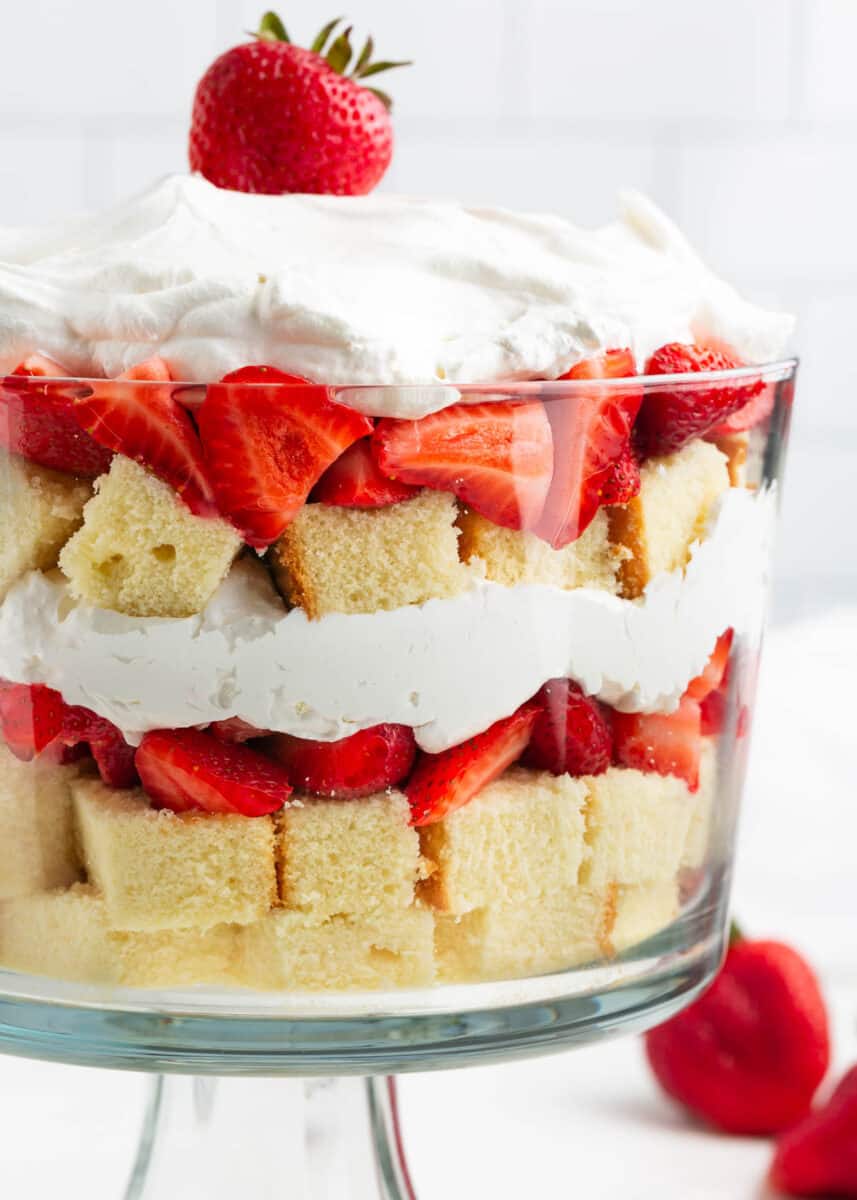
(448, 668)
(380, 289)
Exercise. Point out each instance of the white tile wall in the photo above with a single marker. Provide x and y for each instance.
(740, 118)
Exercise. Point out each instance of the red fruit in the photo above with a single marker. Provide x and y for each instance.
(753, 413)
(571, 735)
(715, 669)
(356, 481)
(360, 765)
(749, 1054)
(31, 718)
(672, 416)
(441, 783)
(712, 712)
(591, 432)
(113, 756)
(267, 446)
(188, 771)
(273, 117)
(148, 425)
(496, 457)
(622, 481)
(818, 1157)
(233, 730)
(668, 743)
(37, 420)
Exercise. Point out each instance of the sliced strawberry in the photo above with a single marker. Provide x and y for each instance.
(752, 414)
(356, 481)
(714, 670)
(712, 712)
(267, 446)
(667, 743)
(359, 765)
(148, 425)
(233, 730)
(672, 416)
(113, 756)
(31, 718)
(441, 783)
(188, 771)
(623, 479)
(571, 734)
(591, 432)
(495, 457)
(37, 420)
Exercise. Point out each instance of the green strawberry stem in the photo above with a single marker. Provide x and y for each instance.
(736, 934)
(272, 29)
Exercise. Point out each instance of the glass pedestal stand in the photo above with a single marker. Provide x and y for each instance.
(265, 1095)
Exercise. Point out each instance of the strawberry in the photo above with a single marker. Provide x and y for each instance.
(818, 1156)
(749, 1054)
(188, 771)
(113, 756)
(713, 710)
(715, 669)
(622, 482)
(37, 420)
(571, 735)
(360, 765)
(496, 457)
(443, 782)
(591, 431)
(672, 416)
(267, 444)
(233, 729)
(668, 743)
(272, 117)
(31, 718)
(148, 425)
(753, 413)
(356, 481)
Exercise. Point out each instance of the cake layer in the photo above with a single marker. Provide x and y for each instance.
(37, 842)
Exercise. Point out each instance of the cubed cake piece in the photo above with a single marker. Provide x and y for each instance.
(41, 510)
(656, 528)
(141, 551)
(67, 934)
(348, 856)
(521, 838)
(354, 560)
(165, 870)
(642, 911)
(511, 940)
(696, 845)
(292, 950)
(512, 556)
(636, 827)
(37, 843)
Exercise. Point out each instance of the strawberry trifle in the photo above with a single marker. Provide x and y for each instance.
(381, 581)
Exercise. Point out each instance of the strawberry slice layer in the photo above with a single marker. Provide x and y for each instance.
(667, 743)
(715, 669)
(37, 420)
(148, 425)
(113, 756)
(622, 482)
(267, 446)
(360, 765)
(672, 416)
(571, 734)
(188, 771)
(233, 729)
(356, 481)
(496, 457)
(752, 413)
(591, 433)
(441, 783)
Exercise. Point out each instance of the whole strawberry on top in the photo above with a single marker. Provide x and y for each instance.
(269, 116)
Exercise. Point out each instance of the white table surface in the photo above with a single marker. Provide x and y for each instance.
(591, 1121)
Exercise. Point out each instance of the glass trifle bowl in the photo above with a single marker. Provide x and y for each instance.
(352, 728)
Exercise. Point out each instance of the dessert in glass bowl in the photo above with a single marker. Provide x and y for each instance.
(382, 587)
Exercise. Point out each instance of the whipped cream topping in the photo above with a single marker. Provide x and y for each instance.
(369, 290)
(448, 668)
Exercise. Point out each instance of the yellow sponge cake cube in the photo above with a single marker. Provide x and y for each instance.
(696, 845)
(636, 827)
(164, 870)
(37, 842)
(522, 837)
(296, 951)
(141, 551)
(41, 510)
(641, 911)
(656, 529)
(353, 560)
(347, 856)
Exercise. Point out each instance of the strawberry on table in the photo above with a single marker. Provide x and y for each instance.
(188, 771)
(571, 734)
(672, 416)
(360, 765)
(267, 445)
(37, 420)
(496, 457)
(667, 743)
(443, 782)
(269, 116)
(356, 481)
(148, 425)
(818, 1156)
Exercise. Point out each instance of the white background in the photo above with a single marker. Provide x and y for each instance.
(740, 118)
